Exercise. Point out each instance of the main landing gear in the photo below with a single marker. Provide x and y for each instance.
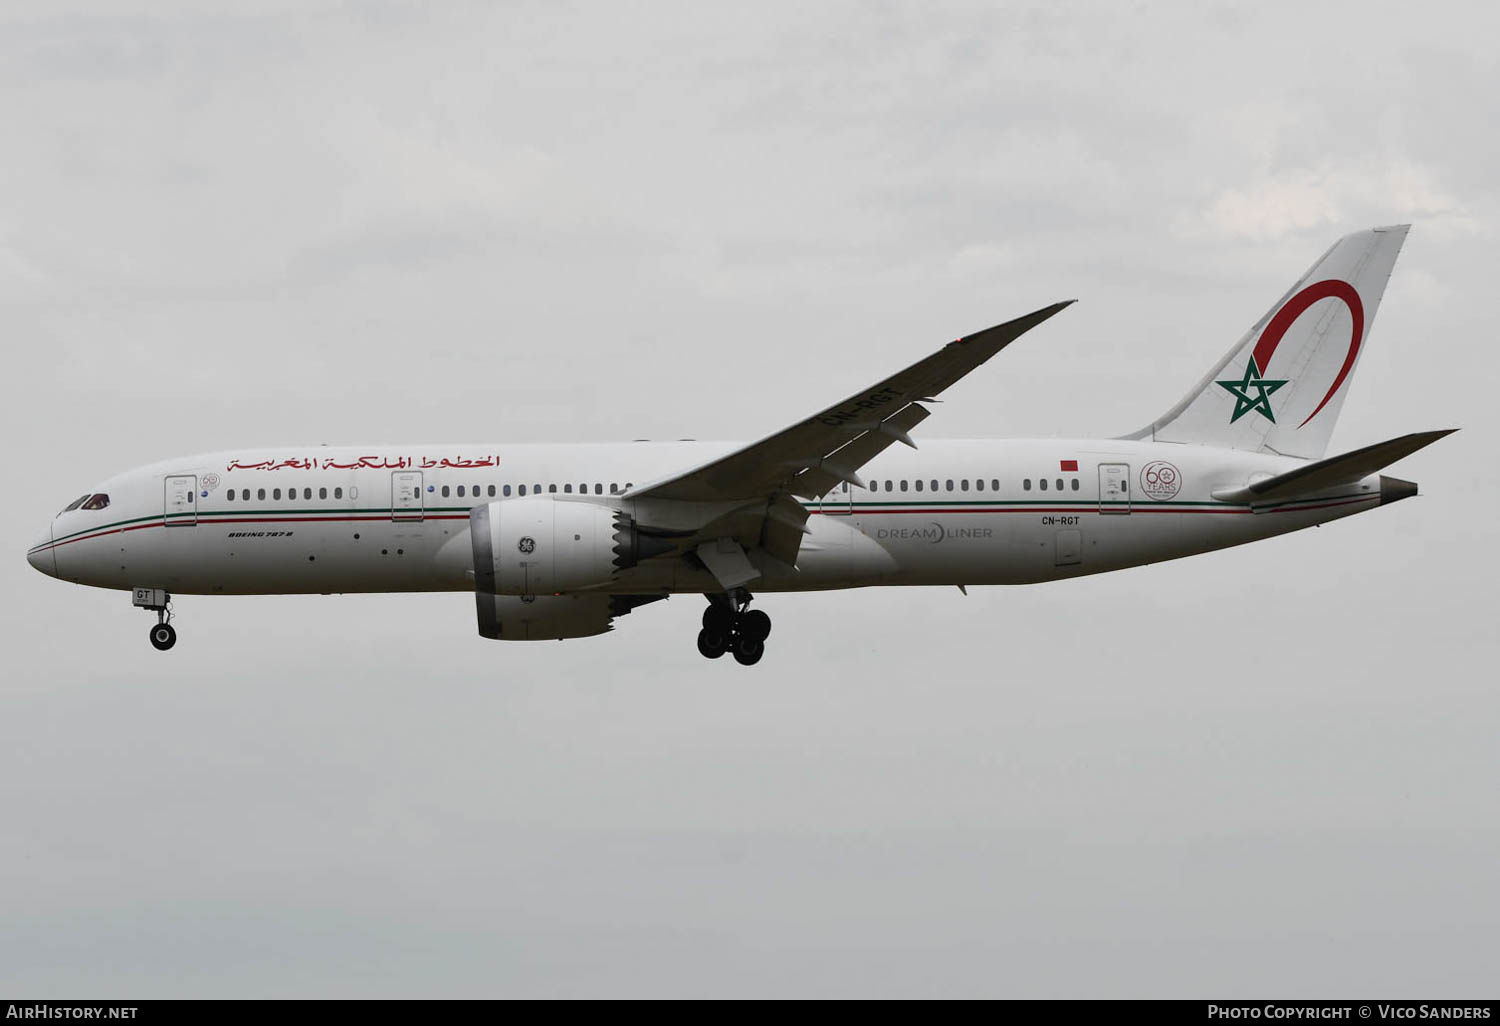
(728, 626)
(163, 636)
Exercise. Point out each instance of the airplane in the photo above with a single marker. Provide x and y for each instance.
(559, 541)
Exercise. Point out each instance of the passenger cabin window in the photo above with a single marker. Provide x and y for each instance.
(1075, 484)
(307, 493)
(1026, 485)
(229, 495)
(521, 489)
(1042, 484)
(919, 486)
(276, 493)
(934, 484)
(460, 491)
(445, 491)
(552, 489)
(492, 491)
(994, 484)
(598, 488)
(260, 493)
(614, 489)
(950, 484)
(505, 491)
(903, 486)
(338, 493)
(322, 493)
(1059, 484)
(979, 485)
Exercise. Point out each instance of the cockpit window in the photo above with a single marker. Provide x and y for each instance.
(97, 501)
(75, 504)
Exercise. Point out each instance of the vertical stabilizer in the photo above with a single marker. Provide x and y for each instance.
(1281, 387)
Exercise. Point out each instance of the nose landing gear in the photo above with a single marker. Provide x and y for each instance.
(728, 626)
(163, 636)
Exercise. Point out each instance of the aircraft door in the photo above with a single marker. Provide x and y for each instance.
(838, 502)
(1114, 488)
(406, 495)
(180, 502)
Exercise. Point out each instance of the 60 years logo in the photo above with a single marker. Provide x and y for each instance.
(1160, 480)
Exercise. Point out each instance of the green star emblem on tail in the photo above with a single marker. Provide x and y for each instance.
(1252, 393)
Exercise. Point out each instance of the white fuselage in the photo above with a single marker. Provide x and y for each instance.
(396, 518)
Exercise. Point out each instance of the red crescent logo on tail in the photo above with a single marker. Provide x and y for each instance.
(1294, 308)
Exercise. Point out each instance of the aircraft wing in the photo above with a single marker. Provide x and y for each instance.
(815, 455)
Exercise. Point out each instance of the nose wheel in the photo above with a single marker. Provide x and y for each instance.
(729, 627)
(163, 636)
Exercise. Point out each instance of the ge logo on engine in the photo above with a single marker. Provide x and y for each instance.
(1160, 480)
(527, 545)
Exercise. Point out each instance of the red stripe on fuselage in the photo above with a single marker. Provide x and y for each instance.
(249, 520)
(1241, 510)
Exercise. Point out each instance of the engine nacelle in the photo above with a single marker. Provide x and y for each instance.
(541, 546)
(553, 617)
(543, 618)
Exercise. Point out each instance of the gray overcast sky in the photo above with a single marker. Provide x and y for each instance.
(1266, 771)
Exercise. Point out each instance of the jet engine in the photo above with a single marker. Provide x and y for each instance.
(542, 546)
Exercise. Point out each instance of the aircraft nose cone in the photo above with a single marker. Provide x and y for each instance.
(40, 556)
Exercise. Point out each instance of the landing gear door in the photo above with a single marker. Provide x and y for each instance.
(1114, 488)
(406, 495)
(180, 505)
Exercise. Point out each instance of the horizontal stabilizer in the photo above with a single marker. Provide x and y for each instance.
(1332, 472)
